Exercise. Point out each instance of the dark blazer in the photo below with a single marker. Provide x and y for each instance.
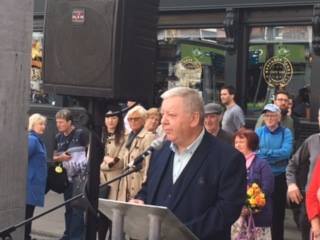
(213, 190)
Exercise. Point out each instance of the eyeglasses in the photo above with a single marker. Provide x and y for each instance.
(270, 115)
(133, 119)
(282, 99)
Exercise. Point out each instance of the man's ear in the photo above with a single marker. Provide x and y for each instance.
(195, 119)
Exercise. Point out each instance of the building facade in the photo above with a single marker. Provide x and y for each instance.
(255, 45)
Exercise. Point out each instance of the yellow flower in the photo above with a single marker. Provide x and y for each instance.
(252, 202)
(250, 192)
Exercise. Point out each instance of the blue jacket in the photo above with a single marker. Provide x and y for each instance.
(213, 190)
(275, 147)
(37, 170)
(260, 172)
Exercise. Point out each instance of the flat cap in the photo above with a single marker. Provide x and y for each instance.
(213, 108)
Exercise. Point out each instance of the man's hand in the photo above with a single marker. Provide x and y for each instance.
(294, 194)
(136, 201)
(315, 227)
(108, 159)
(62, 157)
(245, 212)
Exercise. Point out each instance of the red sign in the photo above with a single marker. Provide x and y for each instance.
(78, 15)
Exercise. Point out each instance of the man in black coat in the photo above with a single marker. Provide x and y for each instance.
(199, 178)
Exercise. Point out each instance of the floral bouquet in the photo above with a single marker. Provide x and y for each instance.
(256, 199)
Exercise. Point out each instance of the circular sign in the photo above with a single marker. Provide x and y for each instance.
(277, 71)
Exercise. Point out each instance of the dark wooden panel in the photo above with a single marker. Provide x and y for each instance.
(169, 5)
(278, 15)
(185, 20)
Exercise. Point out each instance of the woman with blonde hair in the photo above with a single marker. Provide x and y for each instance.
(37, 167)
(153, 120)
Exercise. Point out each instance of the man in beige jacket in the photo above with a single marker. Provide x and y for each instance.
(137, 142)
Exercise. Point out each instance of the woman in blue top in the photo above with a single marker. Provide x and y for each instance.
(37, 168)
(259, 172)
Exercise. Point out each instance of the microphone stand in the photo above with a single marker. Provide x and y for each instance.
(5, 234)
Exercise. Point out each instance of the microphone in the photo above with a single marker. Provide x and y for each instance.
(155, 145)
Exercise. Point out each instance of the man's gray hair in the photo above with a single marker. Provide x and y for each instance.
(138, 109)
(192, 99)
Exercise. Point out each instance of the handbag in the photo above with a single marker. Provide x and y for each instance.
(244, 229)
(57, 179)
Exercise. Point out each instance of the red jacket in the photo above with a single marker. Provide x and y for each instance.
(312, 202)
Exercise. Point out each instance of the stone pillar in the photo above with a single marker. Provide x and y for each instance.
(15, 61)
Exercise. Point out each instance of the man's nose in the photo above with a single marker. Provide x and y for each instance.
(163, 119)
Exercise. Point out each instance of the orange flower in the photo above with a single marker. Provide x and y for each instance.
(255, 198)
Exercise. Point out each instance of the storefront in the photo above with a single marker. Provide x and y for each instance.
(205, 44)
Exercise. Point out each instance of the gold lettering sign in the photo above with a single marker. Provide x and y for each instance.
(277, 71)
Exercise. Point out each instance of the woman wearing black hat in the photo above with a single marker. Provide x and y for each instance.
(111, 167)
(114, 144)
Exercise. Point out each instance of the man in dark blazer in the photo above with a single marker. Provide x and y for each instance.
(199, 178)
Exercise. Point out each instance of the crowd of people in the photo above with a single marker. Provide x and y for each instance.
(201, 173)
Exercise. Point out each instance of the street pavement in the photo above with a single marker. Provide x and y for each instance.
(51, 226)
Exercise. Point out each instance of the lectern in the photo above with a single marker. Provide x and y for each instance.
(143, 222)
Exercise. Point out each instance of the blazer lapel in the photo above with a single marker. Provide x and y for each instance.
(192, 168)
(159, 171)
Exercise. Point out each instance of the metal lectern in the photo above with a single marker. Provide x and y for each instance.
(143, 222)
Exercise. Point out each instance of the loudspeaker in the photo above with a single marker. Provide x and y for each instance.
(100, 48)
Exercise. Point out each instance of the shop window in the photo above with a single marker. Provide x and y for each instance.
(278, 57)
(191, 57)
(37, 94)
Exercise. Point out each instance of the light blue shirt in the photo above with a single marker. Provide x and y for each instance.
(181, 160)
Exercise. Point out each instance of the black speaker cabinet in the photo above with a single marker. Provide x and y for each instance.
(100, 48)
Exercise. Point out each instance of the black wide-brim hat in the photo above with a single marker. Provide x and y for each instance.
(113, 110)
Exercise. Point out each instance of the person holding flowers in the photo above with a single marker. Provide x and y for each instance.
(260, 182)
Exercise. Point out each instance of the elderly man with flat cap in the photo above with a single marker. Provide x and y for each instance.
(213, 117)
